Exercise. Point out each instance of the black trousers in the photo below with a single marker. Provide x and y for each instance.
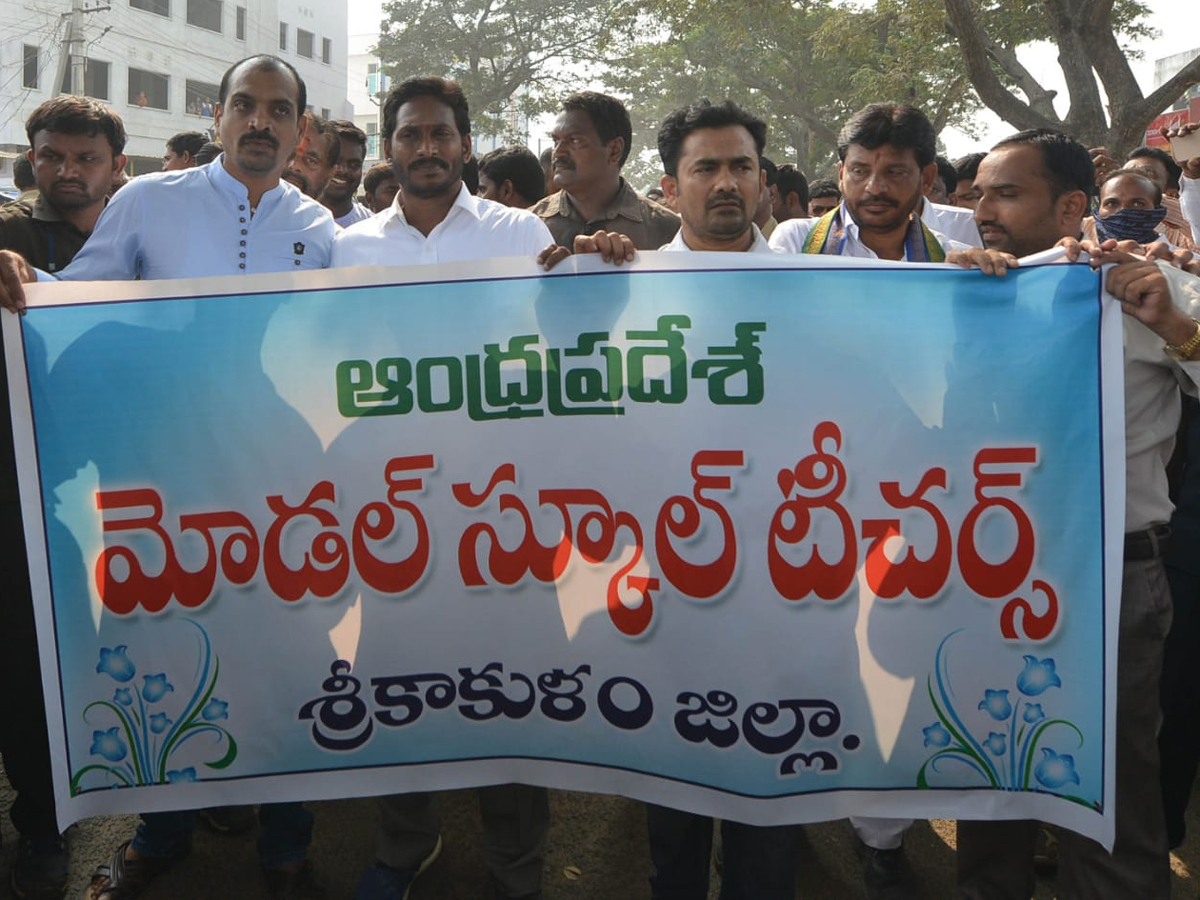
(1179, 739)
(24, 745)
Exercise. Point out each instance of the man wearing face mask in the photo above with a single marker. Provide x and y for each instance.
(1130, 210)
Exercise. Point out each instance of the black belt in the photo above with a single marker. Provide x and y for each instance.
(1151, 543)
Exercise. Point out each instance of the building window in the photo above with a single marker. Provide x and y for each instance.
(200, 98)
(241, 23)
(326, 50)
(326, 112)
(95, 79)
(159, 7)
(30, 79)
(372, 140)
(205, 14)
(304, 43)
(148, 89)
(283, 35)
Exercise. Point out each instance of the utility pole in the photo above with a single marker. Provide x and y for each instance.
(74, 58)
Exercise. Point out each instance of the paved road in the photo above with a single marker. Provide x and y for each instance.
(603, 837)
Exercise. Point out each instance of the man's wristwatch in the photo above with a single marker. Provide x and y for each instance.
(1183, 352)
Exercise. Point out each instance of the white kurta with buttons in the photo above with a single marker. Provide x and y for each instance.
(196, 222)
(473, 229)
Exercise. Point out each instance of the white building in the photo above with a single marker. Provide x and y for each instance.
(159, 62)
(366, 87)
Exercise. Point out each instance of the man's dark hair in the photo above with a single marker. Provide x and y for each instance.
(207, 153)
(348, 132)
(68, 114)
(377, 175)
(967, 167)
(1173, 168)
(324, 128)
(609, 117)
(547, 156)
(188, 142)
(947, 173)
(1134, 173)
(23, 177)
(518, 165)
(266, 61)
(1066, 163)
(770, 168)
(824, 187)
(792, 181)
(895, 124)
(703, 114)
(470, 176)
(440, 89)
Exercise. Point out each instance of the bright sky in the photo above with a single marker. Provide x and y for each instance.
(1175, 36)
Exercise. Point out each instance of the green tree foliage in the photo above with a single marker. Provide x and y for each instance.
(804, 65)
(508, 55)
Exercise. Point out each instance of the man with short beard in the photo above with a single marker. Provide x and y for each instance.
(338, 196)
(1034, 193)
(311, 163)
(76, 147)
(427, 136)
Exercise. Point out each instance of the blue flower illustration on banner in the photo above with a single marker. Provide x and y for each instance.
(1009, 758)
(997, 705)
(156, 688)
(114, 662)
(1037, 676)
(936, 735)
(138, 748)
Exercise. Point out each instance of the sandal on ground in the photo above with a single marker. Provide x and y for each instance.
(124, 879)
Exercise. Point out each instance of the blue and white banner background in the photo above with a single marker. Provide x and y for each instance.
(774, 540)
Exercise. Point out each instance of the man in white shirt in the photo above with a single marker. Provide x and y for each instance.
(887, 154)
(711, 157)
(239, 218)
(1034, 189)
(427, 137)
(338, 196)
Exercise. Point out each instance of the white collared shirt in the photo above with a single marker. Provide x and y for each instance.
(955, 222)
(758, 245)
(1152, 381)
(473, 229)
(789, 237)
(196, 222)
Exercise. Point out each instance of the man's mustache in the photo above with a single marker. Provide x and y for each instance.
(429, 161)
(264, 136)
(718, 199)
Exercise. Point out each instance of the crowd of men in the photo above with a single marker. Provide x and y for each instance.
(280, 175)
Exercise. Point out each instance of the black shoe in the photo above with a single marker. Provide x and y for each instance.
(886, 874)
(41, 869)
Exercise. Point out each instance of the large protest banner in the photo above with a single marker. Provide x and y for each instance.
(776, 540)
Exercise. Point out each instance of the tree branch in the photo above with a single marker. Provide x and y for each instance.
(973, 45)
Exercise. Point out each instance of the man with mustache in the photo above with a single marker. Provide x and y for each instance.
(311, 163)
(76, 147)
(240, 219)
(711, 156)
(427, 137)
(888, 160)
(592, 138)
(1034, 188)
